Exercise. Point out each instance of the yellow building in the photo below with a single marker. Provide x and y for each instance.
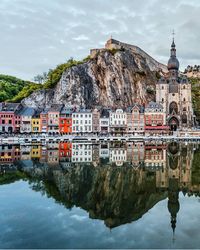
(35, 125)
(36, 151)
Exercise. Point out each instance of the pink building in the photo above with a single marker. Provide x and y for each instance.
(9, 120)
(54, 118)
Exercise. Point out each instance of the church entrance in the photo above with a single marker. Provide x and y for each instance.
(173, 124)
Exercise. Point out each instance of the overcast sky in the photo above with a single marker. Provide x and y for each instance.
(36, 35)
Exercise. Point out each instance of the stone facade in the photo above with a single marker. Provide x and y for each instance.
(174, 93)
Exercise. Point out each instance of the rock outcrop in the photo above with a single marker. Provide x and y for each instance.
(118, 75)
(114, 195)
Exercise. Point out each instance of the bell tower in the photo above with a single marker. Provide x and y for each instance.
(174, 93)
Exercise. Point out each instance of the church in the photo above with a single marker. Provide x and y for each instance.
(173, 92)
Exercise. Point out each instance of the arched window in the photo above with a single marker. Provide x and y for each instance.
(162, 87)
(173, 107)
(162, 99)
(184, 87)
(184, 109)
(184, 118)
(184, 99)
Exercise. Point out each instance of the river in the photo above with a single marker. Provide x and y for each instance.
(116, 195)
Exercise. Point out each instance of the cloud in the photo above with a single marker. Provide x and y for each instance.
(30, 30)
(81, 38)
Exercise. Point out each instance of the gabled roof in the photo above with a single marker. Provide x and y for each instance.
(135, 105)
(26, 111)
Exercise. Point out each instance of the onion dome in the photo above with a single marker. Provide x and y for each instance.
(173, 63)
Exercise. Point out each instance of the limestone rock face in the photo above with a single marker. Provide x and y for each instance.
(110, 78)
(115, 195)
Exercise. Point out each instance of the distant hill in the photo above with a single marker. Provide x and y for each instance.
(15, 89)
(192, 71)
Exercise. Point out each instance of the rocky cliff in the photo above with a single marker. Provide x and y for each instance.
(118, 75)
(114, 195)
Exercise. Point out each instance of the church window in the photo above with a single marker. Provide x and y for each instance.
(162, 87)
(184, 118)
(184, 109)
(162, 99)
(184, 87)
(184, 99)
(173, 107)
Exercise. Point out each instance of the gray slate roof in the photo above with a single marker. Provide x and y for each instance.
(6, 106)
(154, 105)
(26, 111)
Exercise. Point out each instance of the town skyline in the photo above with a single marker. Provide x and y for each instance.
(51, 32)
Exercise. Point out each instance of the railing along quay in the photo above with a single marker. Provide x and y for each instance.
(92, 139)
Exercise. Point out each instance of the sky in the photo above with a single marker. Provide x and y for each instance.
(36, 35)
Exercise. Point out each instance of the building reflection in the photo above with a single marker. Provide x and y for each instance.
(116, 182)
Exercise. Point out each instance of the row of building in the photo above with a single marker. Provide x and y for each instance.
(171, 111)
(148, 156)
(15, 118)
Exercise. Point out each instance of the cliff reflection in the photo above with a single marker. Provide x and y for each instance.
(117, 183)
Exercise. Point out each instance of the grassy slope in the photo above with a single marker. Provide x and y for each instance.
(14, 89)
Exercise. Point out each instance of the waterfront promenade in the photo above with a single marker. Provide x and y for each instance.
(29, 139)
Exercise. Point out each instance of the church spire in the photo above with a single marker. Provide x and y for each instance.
(173, 46)
(173, 63)
(173, 202)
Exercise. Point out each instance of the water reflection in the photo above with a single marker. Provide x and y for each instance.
(115, 182)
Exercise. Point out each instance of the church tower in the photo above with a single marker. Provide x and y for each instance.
(174, 93)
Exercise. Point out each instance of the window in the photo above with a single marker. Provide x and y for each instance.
(173, 107)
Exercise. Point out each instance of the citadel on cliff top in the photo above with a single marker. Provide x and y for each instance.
(173, 90)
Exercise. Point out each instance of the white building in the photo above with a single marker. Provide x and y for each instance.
(81, 152)
(118, 156)
(118, 121)
(82, 121)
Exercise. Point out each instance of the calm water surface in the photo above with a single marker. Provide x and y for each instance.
(100, 196)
